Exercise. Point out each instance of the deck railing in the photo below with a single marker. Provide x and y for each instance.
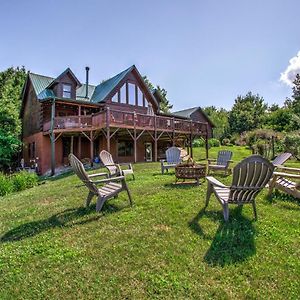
(116, 118)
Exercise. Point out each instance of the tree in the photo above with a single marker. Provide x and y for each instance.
(164, 105)
(295, 103)
(248, 113)
(219, 116)
(11, 84)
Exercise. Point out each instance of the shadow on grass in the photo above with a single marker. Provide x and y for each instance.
(182, 185)
(281, 196)
(64, 219)
(233, 241)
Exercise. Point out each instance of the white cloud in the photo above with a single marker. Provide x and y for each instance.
(291, 71)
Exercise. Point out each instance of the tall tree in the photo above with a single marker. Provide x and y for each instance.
(248, 113)
(219, 116)
(164, 105)
(11, 84)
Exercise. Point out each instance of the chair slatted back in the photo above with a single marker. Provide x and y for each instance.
(281, 159)
(250, 176)
(79, 170)
(224, 156)
(108, 162)
(173, 155)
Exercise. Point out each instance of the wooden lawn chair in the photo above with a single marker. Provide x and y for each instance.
(282, 181)
(172, 159)
(110, 188)
(113, 168)
(250, 176)
(221, 163)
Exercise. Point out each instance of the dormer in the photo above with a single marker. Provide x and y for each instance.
(65, 85)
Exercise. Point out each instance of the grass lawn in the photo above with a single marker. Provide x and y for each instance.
(164, 247)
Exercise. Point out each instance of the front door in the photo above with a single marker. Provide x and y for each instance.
(148, 151)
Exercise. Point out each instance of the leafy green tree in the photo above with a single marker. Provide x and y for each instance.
(164, 105)
(248, 113)
(11, 84)
(282, 119)
(219, 116)
(292, 143)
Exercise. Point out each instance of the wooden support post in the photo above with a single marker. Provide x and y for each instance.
(107, 129)
(52, 138)
(191, 145)
(72, 144)
(134, 137)
(173, 132)
(79, 147)
(155, 140)
(206, 147)
(91, 148)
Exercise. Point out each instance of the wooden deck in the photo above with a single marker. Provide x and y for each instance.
(129, 120)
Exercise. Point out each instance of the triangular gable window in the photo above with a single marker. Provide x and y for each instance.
(131, 94)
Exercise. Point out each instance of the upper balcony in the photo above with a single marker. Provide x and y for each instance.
(129, 120)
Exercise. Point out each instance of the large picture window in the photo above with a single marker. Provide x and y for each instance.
(125, 148)
(131, 93)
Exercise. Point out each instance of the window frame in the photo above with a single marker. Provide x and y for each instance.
(128, 148)
(66, 91)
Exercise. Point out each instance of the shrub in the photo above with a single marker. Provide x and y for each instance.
(214, 142)
(291, 144)
(6, 185)
(199, 143)
(17, 182)
(24, 180)
(225, 142)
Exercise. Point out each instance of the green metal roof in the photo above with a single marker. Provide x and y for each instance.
(96, 94)
(40, 84)
(103, 89)
(186, 113)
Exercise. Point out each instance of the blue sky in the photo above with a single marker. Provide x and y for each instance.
(203, 52)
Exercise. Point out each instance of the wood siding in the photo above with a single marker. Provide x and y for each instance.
(31, 119)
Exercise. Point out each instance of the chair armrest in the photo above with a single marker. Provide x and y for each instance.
(213, 181)
(282, 174)
(119, 178)
(98, 174)
(211, 159)
(296, 170)
(129, 165)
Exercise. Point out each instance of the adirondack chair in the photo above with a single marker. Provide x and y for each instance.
(110, 188)
(113, 168)
(221, 163)
(249, 177)
(172, 159)
(281, 181)
(281, 159)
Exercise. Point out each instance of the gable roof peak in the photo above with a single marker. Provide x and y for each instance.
(67, 70)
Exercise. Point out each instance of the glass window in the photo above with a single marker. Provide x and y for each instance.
(125, 148)
(123, 93)
(140, 97)
(115, 97)
(66, 91)
(131, 93)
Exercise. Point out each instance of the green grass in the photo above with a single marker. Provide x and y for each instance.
(163, 247)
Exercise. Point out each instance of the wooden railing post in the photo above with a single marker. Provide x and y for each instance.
(155, 139)
(108, 129)
(173, 131)
(52, 137)
(206, 142)
(134, 136)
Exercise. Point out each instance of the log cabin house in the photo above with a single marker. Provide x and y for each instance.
(62, 115)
